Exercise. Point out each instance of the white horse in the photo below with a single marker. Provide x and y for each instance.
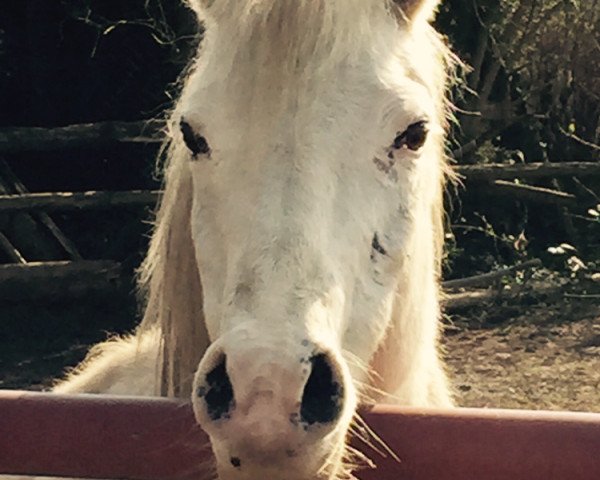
(293, 271)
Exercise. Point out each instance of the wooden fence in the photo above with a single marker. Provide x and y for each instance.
(31, 209)
(97, 436)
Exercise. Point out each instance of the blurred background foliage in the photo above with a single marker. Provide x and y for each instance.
(531, 93)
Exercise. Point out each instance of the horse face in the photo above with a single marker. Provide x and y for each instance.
(312, 154)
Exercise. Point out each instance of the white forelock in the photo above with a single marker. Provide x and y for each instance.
(305, 26)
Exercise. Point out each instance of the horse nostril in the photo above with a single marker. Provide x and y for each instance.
(218, 393)
(323, 395)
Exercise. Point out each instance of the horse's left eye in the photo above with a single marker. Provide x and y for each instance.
(413, 137)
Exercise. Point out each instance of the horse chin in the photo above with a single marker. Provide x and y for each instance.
(316, 462)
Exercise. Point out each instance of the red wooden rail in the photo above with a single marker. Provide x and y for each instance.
(157, 439)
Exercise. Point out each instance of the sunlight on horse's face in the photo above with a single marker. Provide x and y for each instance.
(306, 181)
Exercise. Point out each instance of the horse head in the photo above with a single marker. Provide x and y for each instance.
(295, 262)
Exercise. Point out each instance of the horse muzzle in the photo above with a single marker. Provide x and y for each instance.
(267, 402)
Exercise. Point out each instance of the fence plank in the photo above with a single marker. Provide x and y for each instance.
(9, 249)
(498, 171)
(40, 139)
(27, 235)
(158, 439)
(77, 200)
(58, 280)
(13, 184)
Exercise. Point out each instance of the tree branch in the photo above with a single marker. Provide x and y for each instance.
(533, 194)
(487, 279)
(572, 136)
(458, 301)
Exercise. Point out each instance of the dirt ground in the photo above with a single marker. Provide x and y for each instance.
(543, 356)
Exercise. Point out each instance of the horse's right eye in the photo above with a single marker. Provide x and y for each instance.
(413, 137)
(196, 144)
